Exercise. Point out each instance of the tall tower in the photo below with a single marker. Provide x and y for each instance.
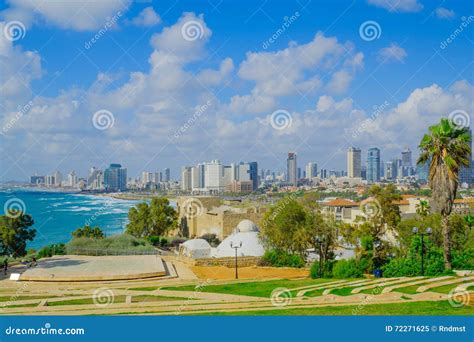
(354, 162)
(292, 168)
(373, 165)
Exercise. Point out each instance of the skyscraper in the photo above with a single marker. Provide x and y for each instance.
(354, 162)
(186, 178)
(311, 170)
(292, 169)
(115, 178)
(167, 175)
(406, 157)
(373, 165)
(253, 173)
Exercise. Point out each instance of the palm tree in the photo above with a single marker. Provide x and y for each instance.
(423, 208)
(446, 148)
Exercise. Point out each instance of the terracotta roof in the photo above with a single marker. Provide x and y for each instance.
(464, 200)
(340, 202)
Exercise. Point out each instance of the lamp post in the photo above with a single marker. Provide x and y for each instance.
(318, 242)
(236, 247)
(427, 232)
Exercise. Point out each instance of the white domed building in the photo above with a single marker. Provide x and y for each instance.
(195, 248)
(246, 233)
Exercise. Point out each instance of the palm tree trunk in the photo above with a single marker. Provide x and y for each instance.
(446, 242)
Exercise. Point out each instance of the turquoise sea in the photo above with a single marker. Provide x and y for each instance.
(57, 214)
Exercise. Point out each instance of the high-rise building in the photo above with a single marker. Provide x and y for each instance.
(323, 174)
(115, 178)
(167, 175)
(186, 178)
(373, 165)
(147, 177)
(58, 178)
(292, 169)
(311, 170)
(390, 170)
(37, 179)
(406, 157)
(72, 179)
(253, 173)
(465, 173)
(354, 162)
(214, 176)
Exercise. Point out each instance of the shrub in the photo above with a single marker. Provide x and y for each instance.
(116, 244)
(154, 240)
(49, 251)
(463, 260)
(212, 239)
(278, 258)
(347, 269)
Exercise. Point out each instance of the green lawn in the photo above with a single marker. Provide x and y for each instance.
(20, 306)
(144, 288)
(343, 291)
(254, 288)
(150, 298)
(438, 308)
(117, 299)
(408, 289)
(446, 288)
(13, 298)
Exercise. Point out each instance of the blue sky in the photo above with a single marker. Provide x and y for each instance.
(335, 84)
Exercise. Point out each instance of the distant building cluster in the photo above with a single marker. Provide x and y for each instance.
(215, 178)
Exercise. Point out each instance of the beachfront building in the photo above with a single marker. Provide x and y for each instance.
(115, 178)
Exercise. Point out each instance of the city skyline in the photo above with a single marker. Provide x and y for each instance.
(231, 92)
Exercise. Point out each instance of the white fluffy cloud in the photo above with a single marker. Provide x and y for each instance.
(296, 70)
(392, 53)
(444, 13)
(74, 15)
(152, 105)
(398, 5)
(147, 17)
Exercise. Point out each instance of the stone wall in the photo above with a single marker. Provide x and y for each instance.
(227, 262)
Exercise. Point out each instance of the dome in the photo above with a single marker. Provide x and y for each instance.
(251, 245)
(195, 248)
(246, 226)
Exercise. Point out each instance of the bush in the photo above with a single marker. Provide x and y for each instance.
(116, 244)
(212, 239)
(279, 258)
(49, 251)
(154, 240)
(347, 269)
(463, 260)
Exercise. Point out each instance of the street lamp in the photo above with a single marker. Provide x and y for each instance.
(427, 232)
(236, 247)
(319, 243)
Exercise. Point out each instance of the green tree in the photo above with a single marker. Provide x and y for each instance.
(446, 148)
(423, 208)
(88, 232)
(15, 231)
(156, 218)
(284, 227)
(469, 219)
